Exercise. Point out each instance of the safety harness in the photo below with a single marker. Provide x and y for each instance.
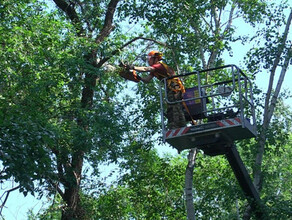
(178, 83)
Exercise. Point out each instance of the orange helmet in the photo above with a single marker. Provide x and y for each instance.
(155, 54)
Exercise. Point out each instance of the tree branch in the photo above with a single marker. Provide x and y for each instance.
(215, 52)
(200, 47)
(230, 19)
(104, 60)
(83, 11)
(270, 105)
(107, 27)
(273, 70)
(279, 85)
(6, 197)
(71, 13)
(215, 17)
(56, 186)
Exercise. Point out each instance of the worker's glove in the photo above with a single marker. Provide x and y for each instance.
(129, 66)
(126, 66)
(122, 64)
(138, 77)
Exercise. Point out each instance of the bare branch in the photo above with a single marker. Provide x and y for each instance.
(279, 84)
(200, 48)
(209, 24)
(6, 197)
(215, 52)
(215, 17)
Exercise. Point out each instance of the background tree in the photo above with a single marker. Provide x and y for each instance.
(275, 54)
(205, 31)
(58, 107)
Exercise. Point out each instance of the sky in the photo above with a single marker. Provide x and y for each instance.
(17, 205)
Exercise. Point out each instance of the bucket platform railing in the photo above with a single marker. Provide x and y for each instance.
(223, 109)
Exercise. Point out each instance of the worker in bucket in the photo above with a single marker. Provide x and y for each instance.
(175, 88)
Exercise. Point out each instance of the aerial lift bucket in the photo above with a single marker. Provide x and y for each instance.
(225, 113)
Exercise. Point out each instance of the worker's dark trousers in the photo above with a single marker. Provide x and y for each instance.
(175, 114)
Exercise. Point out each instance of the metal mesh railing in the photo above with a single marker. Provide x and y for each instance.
(224, 91)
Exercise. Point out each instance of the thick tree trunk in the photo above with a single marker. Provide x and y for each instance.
(70, 168)
(189, 184)
(73, 209)
(71, 196)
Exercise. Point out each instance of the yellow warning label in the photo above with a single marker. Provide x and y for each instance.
(196, 93)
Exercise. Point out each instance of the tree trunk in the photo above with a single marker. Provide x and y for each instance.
(70, 169)
(73, 209)
(189, 184)
(71, 196)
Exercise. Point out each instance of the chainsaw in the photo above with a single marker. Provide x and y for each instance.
(127, 72)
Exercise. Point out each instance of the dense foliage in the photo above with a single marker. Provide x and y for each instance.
(64, 110)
